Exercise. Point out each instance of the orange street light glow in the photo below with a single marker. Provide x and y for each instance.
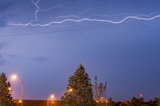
(9, 88)
(20, 101)
(52, 97)
(14, 77)
(70, 90)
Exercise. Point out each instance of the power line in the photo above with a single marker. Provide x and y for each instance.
(58, 30)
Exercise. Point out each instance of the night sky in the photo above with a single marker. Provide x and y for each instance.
(116, 40)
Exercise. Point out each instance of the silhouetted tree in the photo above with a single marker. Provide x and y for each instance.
(157, 102)
(111, 102)
(137, 101)
(79, 89)
(5, 91)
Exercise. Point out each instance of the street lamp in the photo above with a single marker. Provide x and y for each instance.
(50, 100)
(70, 90)
(15, 77)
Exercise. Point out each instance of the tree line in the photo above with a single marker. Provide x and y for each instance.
(79, 92)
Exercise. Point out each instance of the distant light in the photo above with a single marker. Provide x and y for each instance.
(20, 101)
(9, 88)
(52, 97)
(70, 90)
(14, 77)
(141, 95)
(52, 102)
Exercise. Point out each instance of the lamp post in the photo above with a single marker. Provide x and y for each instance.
(15, 77)
(50, 100)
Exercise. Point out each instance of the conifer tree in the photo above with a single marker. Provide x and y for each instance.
(5, 91)
(79, 90)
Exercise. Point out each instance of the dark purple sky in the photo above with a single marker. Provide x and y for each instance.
(45, 41)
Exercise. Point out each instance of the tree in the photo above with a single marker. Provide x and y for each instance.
(5, 91)
(157, 102)
(137, 101)
(79, 89)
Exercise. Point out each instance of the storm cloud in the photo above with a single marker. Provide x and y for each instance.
(2, 60)
(4, 12)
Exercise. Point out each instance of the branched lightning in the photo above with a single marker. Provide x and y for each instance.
(75, 20)
(50, 8)
(37, 9)
(67, 16)
(90, 20)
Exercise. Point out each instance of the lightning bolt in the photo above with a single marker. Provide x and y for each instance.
(48, 9)
(90, 20)
(139, 17)
(37, 10)
(67, 16)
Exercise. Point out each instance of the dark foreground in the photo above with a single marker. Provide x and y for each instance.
(58, 103)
